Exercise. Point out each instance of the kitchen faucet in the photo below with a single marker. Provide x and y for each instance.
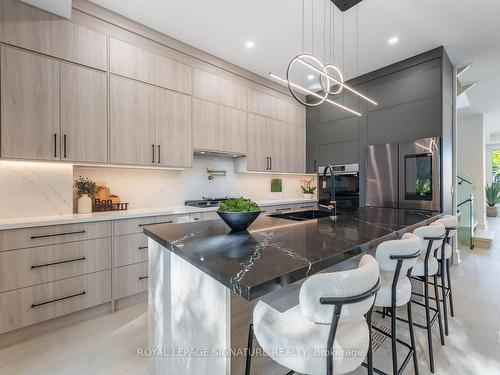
(332, 207)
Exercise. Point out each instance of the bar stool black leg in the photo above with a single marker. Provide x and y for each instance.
(428, 322)
(249, 350)
(412, 338)
(438, 308)
(445, 302)
(369, 357)
(450, 294)
(393, 340)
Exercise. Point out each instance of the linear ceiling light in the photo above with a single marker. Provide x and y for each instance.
(309, 92)
(328, 77)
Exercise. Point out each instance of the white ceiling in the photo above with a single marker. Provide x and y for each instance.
(469, 30)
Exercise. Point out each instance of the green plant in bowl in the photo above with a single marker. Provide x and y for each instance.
(239, 213)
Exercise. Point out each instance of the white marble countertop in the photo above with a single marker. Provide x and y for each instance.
(30, 222)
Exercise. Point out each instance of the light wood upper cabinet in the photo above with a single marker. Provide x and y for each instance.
(84, 115)
(219, 128)
(173, 129)
(34, 29)
(29, 106)
(277, 108)
(258, 143)
(140, 64)
(274, 146)
(219, 90)
(295, 149)
(132, 122)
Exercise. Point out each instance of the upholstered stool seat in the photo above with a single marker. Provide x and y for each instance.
(329, 331)
(419, 268)
(396, 258)
(384, 295)
(291, 330)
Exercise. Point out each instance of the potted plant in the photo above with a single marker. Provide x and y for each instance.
(86, 190)
(492, 198)
(307, 188)
(239, 213)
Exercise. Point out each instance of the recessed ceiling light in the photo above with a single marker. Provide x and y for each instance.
(250, 44)
(393, 40)
(310, 77)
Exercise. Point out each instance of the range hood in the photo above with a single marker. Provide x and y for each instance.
(217, 153)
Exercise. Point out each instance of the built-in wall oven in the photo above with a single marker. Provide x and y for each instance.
(346, 186)
(404, 175)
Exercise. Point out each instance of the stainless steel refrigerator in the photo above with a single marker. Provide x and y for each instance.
(404, 175)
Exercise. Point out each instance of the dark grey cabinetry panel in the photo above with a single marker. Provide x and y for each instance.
(414, 99)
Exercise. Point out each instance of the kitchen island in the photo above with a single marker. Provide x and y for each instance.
(204, 280)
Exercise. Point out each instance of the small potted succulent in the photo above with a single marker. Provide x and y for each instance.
(86, 190)
(239, 213)
(307, 188)
(492, 198)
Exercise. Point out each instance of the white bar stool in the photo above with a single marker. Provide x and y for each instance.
(396, 258)
(450, 223)
(328, 331)
(431, 239)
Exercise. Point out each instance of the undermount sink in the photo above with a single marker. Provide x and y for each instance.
(302, 215)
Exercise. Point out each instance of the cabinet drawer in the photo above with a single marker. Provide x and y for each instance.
(130, 249)
(278, 209)
(306, 206)
(38, 265)
(40, 236)
(209, 215)
(23, 307)
(130, 226)
(131, 279)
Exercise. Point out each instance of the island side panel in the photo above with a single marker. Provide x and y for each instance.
(188, 312)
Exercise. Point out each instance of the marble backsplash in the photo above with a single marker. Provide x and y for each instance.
(30, 189)
(145, 188)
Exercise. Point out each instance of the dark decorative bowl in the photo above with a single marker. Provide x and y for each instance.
(239, 221)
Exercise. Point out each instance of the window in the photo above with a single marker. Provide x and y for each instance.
(495, 165)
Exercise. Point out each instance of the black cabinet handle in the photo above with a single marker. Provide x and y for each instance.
(57, 299)
(56, 234)
(159, 153)
(267, 163)
(153, 148)
(64, 145)
(284, 209)
(56, 263)
(270, 163)
(142, 247)
(163, 222)
(55, 145)
(143, 277)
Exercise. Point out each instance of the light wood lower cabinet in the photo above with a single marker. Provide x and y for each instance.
(129, 226)
(42, 236)
(131, 279)
(39, 265)
(23, 307)
(130, 249)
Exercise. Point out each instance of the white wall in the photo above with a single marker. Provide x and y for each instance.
(29, 189)
(471, 159)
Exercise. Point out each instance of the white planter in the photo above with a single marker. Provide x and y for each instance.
(308, 196)
(84, 205)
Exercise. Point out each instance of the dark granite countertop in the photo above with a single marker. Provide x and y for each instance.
(277, 252)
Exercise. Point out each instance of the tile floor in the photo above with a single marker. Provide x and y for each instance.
(108, 344)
